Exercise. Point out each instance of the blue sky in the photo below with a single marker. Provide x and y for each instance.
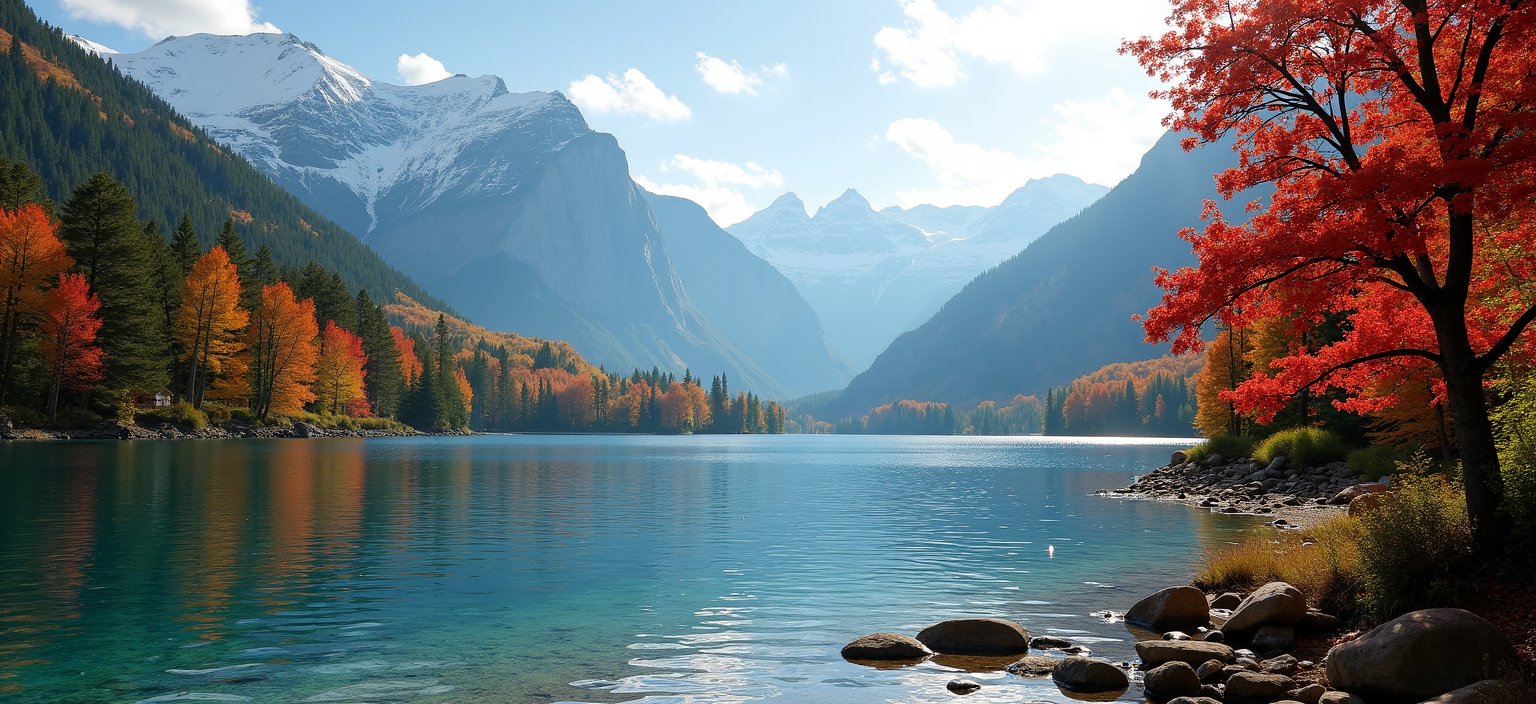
(733, 103)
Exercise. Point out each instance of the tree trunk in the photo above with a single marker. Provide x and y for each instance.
(1474, 441)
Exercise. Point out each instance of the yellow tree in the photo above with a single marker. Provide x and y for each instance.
(282, 339)
(1225, 368)
(210, 323)
(31, 255)
(339, 372)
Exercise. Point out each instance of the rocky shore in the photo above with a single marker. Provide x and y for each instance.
(167, 431)
(1230, 649)
(1295, 495)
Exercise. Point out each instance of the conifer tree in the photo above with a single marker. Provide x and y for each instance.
(184, 246)
(103, 235)
(385, 379)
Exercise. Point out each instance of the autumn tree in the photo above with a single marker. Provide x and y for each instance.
(410, 364)
(1225, 369)
(211, 322)
(31, 255)
(1400, 139)
(282, 341)
(70, 322)
(339, 372)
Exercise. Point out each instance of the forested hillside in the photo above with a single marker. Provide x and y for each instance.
(69, 114)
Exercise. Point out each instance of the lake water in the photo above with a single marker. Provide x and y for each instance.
(560, 569)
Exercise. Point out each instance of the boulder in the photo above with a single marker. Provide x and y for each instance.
(1194, 700)
(1274, 639)
(1213, 637)
(1211, 671)
(1282, 665)
(1173, 679)
(1339, 698)
(1258, 687)
(1089, 675)
(1190, 652)
(1177, 458)
(1174, 607)
(1480, 692)
(305, 430)
(886, 646)
(1308, 694)
(1215, 461)
(1365, 503)
(1176, 635)
(1049, 643)
(1350, 492)
(1033, 666)
(975, 636)
(1420, 655)
(962, 687)
(1318, 622)
(1274, 604)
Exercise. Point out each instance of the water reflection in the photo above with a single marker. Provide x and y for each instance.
(558, 569)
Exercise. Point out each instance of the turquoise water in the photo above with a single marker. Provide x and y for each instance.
(540, 569)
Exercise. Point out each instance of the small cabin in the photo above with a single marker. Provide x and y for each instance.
(159, 399)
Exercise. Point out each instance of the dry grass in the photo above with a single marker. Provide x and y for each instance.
(1323, 562)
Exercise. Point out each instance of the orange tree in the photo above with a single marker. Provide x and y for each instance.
(1399, 137)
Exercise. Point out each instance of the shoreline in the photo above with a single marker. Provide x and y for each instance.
(167, 431)
(1291, 496)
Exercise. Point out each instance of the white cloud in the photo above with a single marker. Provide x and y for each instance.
(1029, 36)
(1100, 141)
(729, 77)
(419, 69)
(158, 19)
(630, 93)
(718, 185)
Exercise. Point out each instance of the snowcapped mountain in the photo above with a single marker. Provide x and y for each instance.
(93, 47)
(506, 205)
(874, 275)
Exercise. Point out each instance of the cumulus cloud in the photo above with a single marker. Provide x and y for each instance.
(718, 186)
(419, 69)
(729, 76)
(631, 93)
(161, 18)
(1099, 140)
(931, 47)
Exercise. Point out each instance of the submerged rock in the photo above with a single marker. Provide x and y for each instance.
(1171, 608)
(1033, 666)
(962, 686)
(1049, 643)
(1089, 675)
(975, 636)
(886, 646)
(1420, 655)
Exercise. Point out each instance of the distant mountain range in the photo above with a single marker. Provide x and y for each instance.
(872, 275)
(1062, 307)
(506, 205)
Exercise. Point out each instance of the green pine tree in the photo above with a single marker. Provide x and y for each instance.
(385, 382)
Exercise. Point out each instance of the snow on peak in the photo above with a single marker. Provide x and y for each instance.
(850, 199)
(787, 202)
(210, 73)
(90, 46)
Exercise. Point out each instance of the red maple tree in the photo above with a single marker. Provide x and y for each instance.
(1400, 138)
(71, 319)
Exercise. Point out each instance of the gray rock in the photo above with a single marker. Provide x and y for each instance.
(1249, 664)
(1213, 691)
(1049, 643)
(1194, 700)
(1481, 692)
(1211, 671)
(305, 430)
(1274, 604)
(1227, 600)
(1215, 461)
(1282, 665)
(1213, 637)
(1191, 652)
(1173, 679)
(1318, 622)
(975, 636)
(1339, 698)
(1174, 607)
(1176, 635)
(1257, 687)
(1033, 666)
(962, 686)
(1308, 694)
(886, 646)
(1420, 655)
(1350, 492)
(1274, 639)
(1089, 675)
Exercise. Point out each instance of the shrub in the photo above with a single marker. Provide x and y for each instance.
(1414, 546)
(1228, 446)
(1311, 447)
(76, 418)
(21, 415)
(1515, 421)
(180, 414)
(1322, 561)
(242, 415)
(1373, 463)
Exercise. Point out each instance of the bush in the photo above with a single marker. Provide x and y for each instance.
(1414, 546)
(180, 414)
(242, 415)
(76, 418)
(1228, 446)
(1323, 562)
(1373, 463)
(1515, 421)
(21, 415)
(1311, 447)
